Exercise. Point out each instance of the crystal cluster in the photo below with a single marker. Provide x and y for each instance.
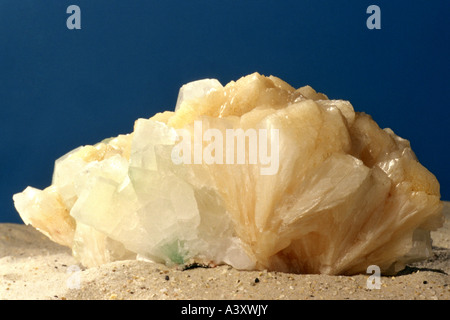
(307, 185)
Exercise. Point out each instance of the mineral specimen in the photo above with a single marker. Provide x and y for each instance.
(254, 174)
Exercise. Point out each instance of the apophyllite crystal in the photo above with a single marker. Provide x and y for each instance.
(255, 174)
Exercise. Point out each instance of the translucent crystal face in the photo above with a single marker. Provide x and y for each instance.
(255, 174)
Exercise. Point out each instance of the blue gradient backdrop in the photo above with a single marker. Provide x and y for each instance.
(61, 88)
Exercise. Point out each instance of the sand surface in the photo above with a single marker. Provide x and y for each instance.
(33, 267)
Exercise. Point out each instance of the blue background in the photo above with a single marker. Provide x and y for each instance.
(62, 88)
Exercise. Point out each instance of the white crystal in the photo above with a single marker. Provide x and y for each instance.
(346, 194)
(196, 89)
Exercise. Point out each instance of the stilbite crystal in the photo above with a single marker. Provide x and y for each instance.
(346, 194)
